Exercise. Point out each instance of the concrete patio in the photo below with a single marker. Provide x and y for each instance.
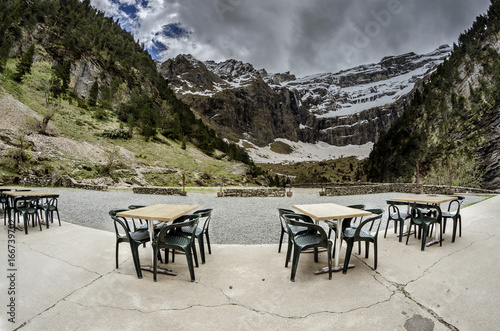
(64, 278)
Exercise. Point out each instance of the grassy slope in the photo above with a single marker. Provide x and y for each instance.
(81, 125)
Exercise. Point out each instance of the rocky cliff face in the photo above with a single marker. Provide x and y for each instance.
(351, 107)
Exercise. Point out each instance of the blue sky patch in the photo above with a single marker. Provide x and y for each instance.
(173, 30)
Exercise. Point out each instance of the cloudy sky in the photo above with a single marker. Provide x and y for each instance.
(300, 36)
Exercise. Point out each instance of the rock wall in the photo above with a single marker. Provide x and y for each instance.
(254, 192)
(357, 189)
(157, 190)
(49, 181)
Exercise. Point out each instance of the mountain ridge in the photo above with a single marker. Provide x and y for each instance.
(348, 108)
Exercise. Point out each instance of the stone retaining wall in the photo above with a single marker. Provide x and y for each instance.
(48, 181)
(399, 187)
(157, 190)
(254, 192)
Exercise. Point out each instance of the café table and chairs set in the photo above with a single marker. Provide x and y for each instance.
(30, 205)
(418, 212)
(174, 229)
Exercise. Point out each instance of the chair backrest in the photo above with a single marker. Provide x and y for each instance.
(304, 221)
(456, 204)
(135, 206)
(375, 213)
(188, 222)
(52, 203)
(352, 221)
(393, 210)
(357, 206)
(121, 224)
(397, 203)
(282, 212)
(28, 204)
(133, 220)
(205, 217)
(417, 215)
(370, 223)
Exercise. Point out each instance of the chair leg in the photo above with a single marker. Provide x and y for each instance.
(35, 216)
(58, 217)
(347, 256)
(193, 248)
(329, 260)
(116, 253)
(375, 254)
(295, 262)
(208, 243)
(401, 227)
(408, 235)
(288, 253)
(159, 257)
(386, 226)
(281, 239)
(189, 258)
(424, 237)
(155, 261)
(440, 234)
(367, 248)
(454, 233)
(460, 225)
(137, 263)
(25, 218)
(202, 248)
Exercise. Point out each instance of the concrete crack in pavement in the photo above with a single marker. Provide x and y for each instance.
(56, 258)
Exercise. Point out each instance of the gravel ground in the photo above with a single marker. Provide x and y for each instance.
(244, 221)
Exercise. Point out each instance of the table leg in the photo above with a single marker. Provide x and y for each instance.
(150, 267)
(338, 243)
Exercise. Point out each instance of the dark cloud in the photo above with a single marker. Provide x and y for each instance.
(301, 36)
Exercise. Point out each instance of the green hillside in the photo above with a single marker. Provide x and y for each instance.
(450, 131)
(44, 44)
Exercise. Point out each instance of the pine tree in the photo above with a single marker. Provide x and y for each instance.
(24, 65)
(93, 94)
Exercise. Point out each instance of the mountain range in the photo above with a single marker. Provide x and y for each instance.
(317, 116)
(430, 117)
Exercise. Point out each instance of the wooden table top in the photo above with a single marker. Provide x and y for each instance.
(17, 194)
(426, 199)
(329, 211)
(159, 212)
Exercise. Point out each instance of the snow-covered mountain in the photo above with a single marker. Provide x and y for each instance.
(324, 114)
(352, 91)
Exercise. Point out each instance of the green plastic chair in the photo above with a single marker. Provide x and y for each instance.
(366, 231)
(186, 231)
(202, 230)
(397, 216)
(27, 207)
(143, 225)
(172, 237)
(134, 238)
(454, 215)
(49, 208)
(425, 220)
(314, 237)
(348, 222)
(284, 229)
(4, 202)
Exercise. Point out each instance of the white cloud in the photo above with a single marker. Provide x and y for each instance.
(301, 36)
